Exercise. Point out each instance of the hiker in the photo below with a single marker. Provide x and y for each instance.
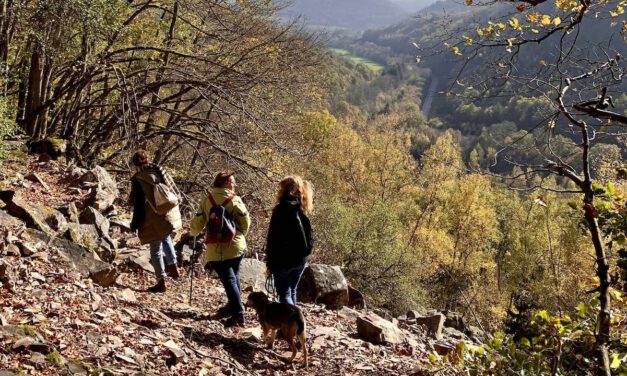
(290, 238)
(225, 254)
(153, 228)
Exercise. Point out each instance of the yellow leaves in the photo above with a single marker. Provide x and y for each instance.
(542, 62)
(546, 20)
(501, 25)
(619, 10)
(557, 21)
(468, 40)
(533, 17)
(454, 49)
(510, 44)
(479, 32)
(566, 5)
(514, 23)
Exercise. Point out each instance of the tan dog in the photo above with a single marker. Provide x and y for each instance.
(274, 316)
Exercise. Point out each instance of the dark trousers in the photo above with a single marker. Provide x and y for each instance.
(228, 272)
(285, 281)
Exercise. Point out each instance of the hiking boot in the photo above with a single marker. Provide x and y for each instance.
(159, 287)
(173, 271)
(234, 322)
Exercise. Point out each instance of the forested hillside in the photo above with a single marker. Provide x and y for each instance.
(467, 166)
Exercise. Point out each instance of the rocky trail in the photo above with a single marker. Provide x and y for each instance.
(73, 298)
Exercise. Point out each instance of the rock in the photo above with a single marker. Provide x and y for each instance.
(22, 344)
(35, 178)
(84, 261)
(8, 221)
(413, 314)
(41, 218)
(127, 295)
(91, 216)
(383, 313)
(175, 352)
(75, 368)
(7, 373)
(84, 235)
(125, 226)
(255, 334)
(252, 273)
(142, 261)
(355, 299)
(455, 320)
(12, 250)
(434, 324)
(37, 360)
(71, 212)
(323, 284)
(5, 271)
(443, 348)
(106, 192)
(29, 249)
(53, 147)
(184, 256)
(348, 313)
(476, 333)
(454, 333)
(377, 330)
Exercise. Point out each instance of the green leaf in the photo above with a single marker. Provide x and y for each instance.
(582, 309)
(525, 342)
(615, 361)
(611, 189)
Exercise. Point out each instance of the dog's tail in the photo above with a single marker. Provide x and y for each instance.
(300, 322)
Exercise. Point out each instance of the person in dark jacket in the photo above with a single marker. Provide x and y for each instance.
(290, 238)
(153, 228)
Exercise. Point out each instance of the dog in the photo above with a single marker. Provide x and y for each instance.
(279, 316)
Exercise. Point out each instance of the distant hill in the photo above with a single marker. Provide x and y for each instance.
(353, 14)
(412, 6)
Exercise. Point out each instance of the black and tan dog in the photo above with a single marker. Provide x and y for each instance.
(279, 316)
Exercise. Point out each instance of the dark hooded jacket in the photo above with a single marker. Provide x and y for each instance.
(290, 238)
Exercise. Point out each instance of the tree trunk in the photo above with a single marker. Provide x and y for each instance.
(33, 98)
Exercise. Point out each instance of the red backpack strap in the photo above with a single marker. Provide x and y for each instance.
(228, 199)
(213, 202)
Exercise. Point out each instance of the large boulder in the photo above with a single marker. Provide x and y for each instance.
(84, 235)
(86, 263)
(42, 218)
(323, 284)
(78, 257)
(355, 298)
(434, 324)
(105, 191)
(252, 273)
(375, 329)
(455, 320)
(8, 221)
(91, 216)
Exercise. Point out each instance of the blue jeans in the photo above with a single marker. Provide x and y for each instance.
(286, 281)
(157, 248)
(228, 272)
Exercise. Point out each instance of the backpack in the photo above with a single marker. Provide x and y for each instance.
(220, 226)
(165, 198)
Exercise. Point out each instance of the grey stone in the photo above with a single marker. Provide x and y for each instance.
(355, 298)
(375, 329)
(455, 320)
(323, 284)
(8, 221)
(41, 218)
(91, 216)
(142, 261)
(252, 273)
(434, 324)
(106, 191)
(84, 235)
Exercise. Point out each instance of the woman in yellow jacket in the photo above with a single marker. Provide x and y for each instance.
(225, 258)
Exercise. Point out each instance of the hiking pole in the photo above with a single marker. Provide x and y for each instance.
(191, 273)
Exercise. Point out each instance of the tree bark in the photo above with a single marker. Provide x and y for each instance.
(33, 98)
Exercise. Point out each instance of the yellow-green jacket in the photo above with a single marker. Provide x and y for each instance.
(223, 251)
